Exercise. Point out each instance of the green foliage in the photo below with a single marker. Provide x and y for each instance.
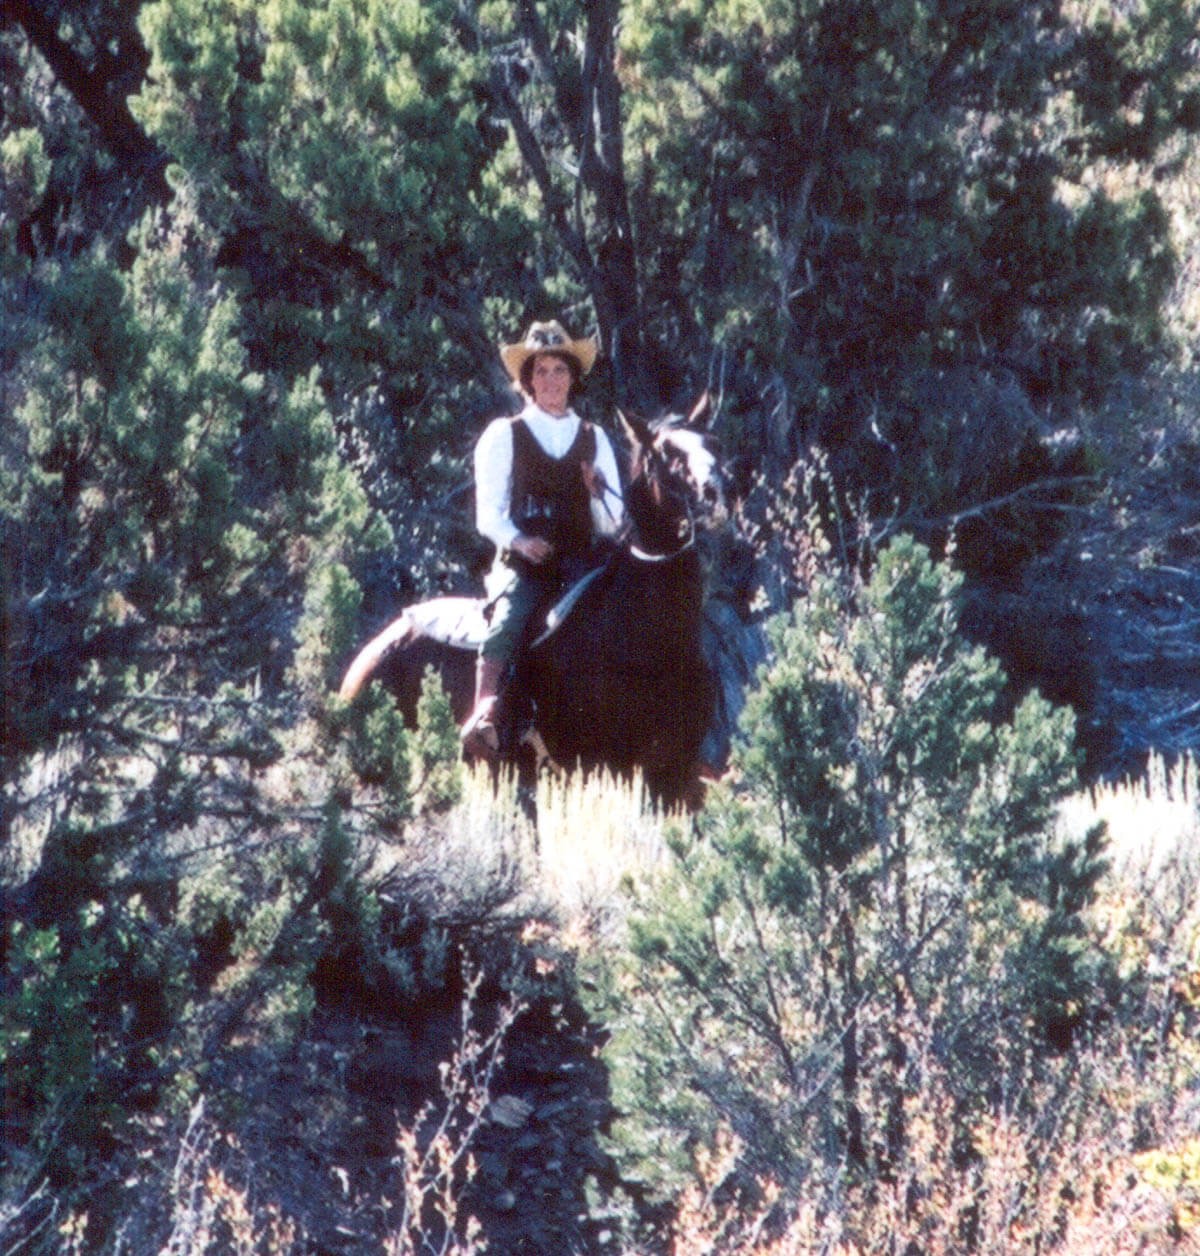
(86, 1023)
(337, 151)
(896, 192)
(886, 875)
(436, 749)
(381, 754)
(325, 631)
(138, 492)
(175, 531)
(905, 231)
(24, 173)
(48, 1048)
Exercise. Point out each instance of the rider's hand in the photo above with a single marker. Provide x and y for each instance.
(593, 479)
(532, 548)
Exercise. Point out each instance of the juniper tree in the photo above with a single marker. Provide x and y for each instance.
(338, 156)
(902, 188)
(168, 521)
(884, 890)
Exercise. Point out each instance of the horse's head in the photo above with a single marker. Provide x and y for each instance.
(674, 480)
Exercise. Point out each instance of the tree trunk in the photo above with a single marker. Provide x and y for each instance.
(615, 288)
(96, 88)
(856, 1148)
(592, 222)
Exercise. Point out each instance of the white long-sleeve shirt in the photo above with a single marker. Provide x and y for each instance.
(494, 466)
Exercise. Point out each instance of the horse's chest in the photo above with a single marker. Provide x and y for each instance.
(651, 630)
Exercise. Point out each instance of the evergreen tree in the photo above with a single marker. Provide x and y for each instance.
(337, 154)
(884, 892)
(898, 232)
(168, 523)
(849, 203)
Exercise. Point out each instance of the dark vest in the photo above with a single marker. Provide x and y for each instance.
(549, 497)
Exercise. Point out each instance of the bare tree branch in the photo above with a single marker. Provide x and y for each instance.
(592, 222)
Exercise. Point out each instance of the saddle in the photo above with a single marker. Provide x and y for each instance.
(461, 622)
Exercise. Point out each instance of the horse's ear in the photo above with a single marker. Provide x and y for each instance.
(699, 412)
(637, 430)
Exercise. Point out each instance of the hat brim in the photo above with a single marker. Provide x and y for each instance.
(514, 357)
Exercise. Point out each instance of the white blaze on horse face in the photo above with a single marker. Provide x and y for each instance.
(701, 462)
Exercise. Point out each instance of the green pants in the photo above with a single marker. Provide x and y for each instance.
(513, 598)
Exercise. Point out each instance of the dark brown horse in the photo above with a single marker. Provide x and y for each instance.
(619, 680)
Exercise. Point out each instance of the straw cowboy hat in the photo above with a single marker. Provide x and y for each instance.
(547, 338)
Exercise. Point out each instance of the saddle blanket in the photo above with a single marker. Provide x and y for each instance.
(454, 621)
(461, 621)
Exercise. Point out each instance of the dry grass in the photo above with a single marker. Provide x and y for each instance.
(591, 835)
(1153, 821)
(594, 834)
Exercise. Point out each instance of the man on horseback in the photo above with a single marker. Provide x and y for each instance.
(543, 496)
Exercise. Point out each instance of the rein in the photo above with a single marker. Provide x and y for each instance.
(613, 492)
(637, 552)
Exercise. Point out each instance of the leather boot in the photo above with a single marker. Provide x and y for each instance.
(479, 734)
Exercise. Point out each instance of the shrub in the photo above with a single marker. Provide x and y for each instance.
(878, 920)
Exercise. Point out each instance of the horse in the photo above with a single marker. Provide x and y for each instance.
(616, 675)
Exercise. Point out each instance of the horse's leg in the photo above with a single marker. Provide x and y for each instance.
(542, 758)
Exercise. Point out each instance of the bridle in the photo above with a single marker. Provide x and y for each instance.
(641, 555)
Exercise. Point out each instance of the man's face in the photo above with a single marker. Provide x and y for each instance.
(551, 382)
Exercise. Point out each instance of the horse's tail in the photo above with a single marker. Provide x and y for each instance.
(372, 654)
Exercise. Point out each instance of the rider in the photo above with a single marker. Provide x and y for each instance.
(542, 496)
